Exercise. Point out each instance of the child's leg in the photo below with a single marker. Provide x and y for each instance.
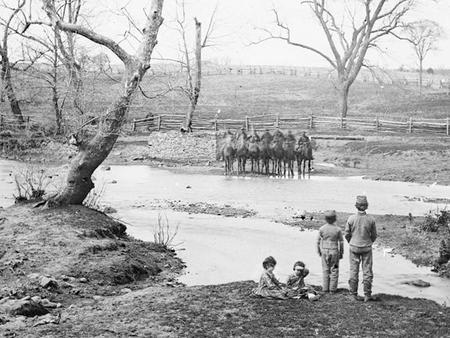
(334, 275)
(325, 271)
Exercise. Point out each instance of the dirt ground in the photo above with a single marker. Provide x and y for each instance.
(100, 282)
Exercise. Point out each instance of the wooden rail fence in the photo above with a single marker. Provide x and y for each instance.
(285, 122)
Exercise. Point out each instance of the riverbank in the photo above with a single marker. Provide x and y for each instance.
(84, 274)
(420, 159)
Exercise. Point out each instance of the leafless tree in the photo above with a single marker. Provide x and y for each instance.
(94, 151)
(192, 64)
(349, 39)
(423, 36)
(5, 72)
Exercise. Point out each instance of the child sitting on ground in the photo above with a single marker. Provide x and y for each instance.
(269, 286)
(296, 282)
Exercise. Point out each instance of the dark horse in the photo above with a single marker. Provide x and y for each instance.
(304, 154)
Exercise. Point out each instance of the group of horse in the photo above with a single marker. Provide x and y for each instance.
(268, 154)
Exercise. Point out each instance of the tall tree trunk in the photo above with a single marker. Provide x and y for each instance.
(343, 99)
(197, 79)
(9, 90)
(57, 109)
(92, 153)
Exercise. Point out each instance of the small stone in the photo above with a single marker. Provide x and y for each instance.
(26, 308)
(48, 304)
(113, 182)
(107, 168)
(125, 290)
(419, 283)
(36, 299)
(83, 280)
(47, 282)
(188, 187)
(109, 210)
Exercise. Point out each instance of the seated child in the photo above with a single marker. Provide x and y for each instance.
(269, 286)
(296, 282)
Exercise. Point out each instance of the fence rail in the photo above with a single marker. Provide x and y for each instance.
(262, 122)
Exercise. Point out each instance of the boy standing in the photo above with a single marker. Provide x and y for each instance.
(330, 246)
(361, 232)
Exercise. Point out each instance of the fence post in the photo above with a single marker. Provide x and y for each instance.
(247, 127)
(448, 126)
(342, 122)
(377, 124)
(277, 121)
(410, 125)
(159, 122)
(311, 121)
(134, 125)
(215, 125)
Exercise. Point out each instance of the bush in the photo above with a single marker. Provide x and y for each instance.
(430, 71)
(31, 183)
(435, 219)
(163, 234)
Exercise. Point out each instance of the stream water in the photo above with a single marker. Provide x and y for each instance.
(219, 249)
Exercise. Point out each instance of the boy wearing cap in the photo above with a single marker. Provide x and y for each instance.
(330, 246)
(360, 232)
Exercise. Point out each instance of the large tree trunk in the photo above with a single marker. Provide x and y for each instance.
(197, 75)
(343, 100)
(91, 154)
(9, 90)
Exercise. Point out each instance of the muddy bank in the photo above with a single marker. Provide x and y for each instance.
(56, 258)
(393, 158)
(228, 310)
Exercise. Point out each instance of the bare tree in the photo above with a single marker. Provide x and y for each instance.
(423, 36)
(94, 151)
(193, 67)
(5, 72)
(350, 39)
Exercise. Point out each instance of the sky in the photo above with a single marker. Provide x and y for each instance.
(239, 24)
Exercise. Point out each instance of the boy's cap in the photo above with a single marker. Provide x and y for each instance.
(361, 199)
(330, 213)
(300, 264)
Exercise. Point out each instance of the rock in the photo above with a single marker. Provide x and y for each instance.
(109, 210)
(83, 280)
(48, 304)
(418, 282)
(26, 308)
(48, 319)
(107, 168)
(47, 282)
(113, 182)
(188, 187)
(33, 275)
(125, 290)
(36, 299)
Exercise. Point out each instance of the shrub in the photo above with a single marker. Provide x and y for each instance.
(434, 219)
(163, 233)
(31, 183)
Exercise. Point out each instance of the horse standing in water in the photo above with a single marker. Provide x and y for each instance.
(253, 152)
(277, 152)
(265, 152)
(304, 154)
(228, 153)
(241, 151)
(289, 154)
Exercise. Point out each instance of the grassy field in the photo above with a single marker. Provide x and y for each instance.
(243, 95)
